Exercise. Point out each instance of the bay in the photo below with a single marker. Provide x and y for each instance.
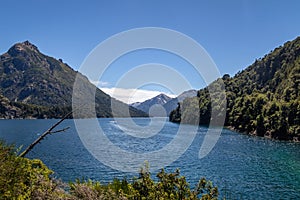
(243, 167)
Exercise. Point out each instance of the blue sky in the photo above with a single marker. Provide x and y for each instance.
(233, 32)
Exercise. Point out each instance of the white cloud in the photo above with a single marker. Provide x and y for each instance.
(100, 83)
(132, 95)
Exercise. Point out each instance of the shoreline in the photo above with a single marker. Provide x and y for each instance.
(295, 139)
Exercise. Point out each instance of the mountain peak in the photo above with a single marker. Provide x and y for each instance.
(41, 86)
(146, 106)
(21, 48)
(162, 95)
(160, 99)
(29, 45)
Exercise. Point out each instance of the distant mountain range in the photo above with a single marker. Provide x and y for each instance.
(172, 104)
(262, 100)
(161, 105)
(34, 85)
(153, 106)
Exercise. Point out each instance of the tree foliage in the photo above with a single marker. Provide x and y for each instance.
(263, 99)
(22, 178)
(169, 186)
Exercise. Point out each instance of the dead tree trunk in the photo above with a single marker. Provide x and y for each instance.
(49, 131)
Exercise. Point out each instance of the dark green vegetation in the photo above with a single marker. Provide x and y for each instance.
(22, 178)
(262, 100)
(33, 85)
(10, 109)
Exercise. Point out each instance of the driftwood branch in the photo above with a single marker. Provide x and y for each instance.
(49, 131)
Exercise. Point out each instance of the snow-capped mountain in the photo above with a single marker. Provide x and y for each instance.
(153, 105)
(162, 105)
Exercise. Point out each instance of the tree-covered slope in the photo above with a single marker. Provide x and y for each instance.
(263, 99)
(10, 110)
(32, 79)
(28, 76)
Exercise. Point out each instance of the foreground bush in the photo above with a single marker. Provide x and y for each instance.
(169, 186)
(22, 178)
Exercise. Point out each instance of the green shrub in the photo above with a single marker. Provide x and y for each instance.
(22, 178)
(169, 186)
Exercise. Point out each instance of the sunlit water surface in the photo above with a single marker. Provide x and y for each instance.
(242, 167)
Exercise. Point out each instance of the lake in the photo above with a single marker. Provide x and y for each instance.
(243, 167)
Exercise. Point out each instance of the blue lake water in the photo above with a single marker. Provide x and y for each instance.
(242, 167)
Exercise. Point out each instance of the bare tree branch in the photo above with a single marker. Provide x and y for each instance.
(61, 130)
(49, 131)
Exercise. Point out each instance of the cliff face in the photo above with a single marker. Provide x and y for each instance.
(263, 99)
(37, 83)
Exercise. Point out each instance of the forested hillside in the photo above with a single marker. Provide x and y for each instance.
(34, 85)
(263, 99)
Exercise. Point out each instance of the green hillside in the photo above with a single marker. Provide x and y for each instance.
(40, 86)
(262, 100)
(11, 110)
